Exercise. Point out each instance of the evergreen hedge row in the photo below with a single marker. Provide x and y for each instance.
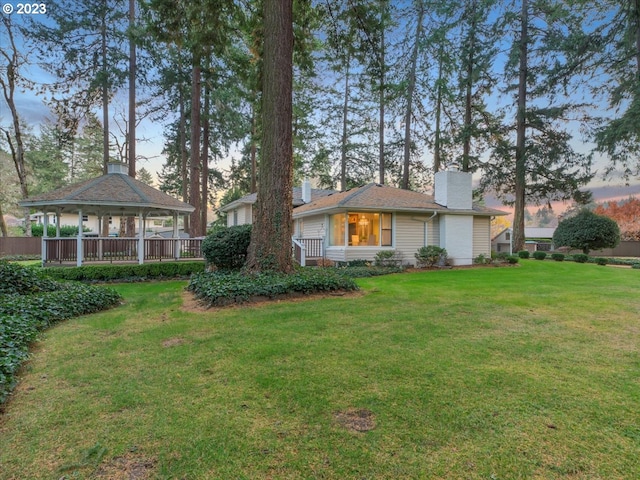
(109, 272)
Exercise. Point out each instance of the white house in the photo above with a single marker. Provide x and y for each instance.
(360, 222)
(536, 238)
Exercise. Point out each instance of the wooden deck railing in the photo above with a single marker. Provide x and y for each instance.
(109, 249)
(304, 248)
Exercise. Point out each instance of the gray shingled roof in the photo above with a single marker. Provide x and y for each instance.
(297, 198)
(374, 196)
(113, 193)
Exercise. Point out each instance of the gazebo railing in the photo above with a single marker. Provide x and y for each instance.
(109, 249)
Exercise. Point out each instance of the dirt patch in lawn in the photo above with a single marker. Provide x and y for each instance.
(191, 304)
(127, 467)
(356, 419)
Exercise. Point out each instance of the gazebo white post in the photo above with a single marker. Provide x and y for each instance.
(140, 237)
(45, 228)
(57, 223)
(176, 237)
(100, 220)
(79, 251)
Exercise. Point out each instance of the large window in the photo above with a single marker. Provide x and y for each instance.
(336, 229)
(362, 229)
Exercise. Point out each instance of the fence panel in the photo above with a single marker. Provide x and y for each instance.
(10, 246)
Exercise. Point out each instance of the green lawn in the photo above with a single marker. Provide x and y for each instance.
(491, 373)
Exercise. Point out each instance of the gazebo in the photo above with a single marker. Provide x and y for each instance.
(113, 194)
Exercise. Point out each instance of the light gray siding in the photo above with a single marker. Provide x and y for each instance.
(314, 227)
(481, 236)
(410, 236)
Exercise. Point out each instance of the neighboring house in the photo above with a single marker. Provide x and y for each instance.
(358, 223)
(240, 212)
(536, 238)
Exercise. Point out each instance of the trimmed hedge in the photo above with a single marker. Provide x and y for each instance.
(224, 288)
(30, 303)
(580, 257)
(524, 254)
(539, 255)
(558, 257)
(132, 272)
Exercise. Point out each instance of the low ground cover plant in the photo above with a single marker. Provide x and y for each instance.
(30, 303)
(220, 288)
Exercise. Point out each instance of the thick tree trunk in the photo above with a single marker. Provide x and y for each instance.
(270, 247)
(520, 177)
(254, 164)
(194, 170)
(410, 89)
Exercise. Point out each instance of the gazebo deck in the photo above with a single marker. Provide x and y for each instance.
(63, 251)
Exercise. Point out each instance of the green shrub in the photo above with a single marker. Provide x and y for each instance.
(371, 271)
(539, 255)
(636, 266)
(226, 247)
(580, 257)
(430, 256)
(513, 259)
(227, 287)
(524, 254)
(387, 258)
(558, 257)
(65, 230)
(602, 261)
(358, 263)
(482, 259)
(29, 304)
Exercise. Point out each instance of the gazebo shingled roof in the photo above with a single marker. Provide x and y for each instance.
(114, 194)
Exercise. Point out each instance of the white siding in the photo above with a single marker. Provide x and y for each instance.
(456, 236)
(481, 236)
(314, 227)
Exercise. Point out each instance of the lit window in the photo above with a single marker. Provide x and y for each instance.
(336, 229)
(365, 229)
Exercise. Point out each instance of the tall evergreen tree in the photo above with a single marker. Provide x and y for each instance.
(270, 247)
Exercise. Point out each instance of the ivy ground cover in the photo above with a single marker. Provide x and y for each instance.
(523, 372)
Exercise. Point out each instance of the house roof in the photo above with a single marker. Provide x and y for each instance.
(114, 193)
(374, 196)
(251, 198)
(531, 232)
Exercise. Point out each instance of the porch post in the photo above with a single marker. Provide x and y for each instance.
(79, 252)
(140, 237)
(57, 223)
(100, 220)
(176, 237)
(43, 254)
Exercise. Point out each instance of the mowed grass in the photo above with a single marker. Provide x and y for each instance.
(490, 373)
